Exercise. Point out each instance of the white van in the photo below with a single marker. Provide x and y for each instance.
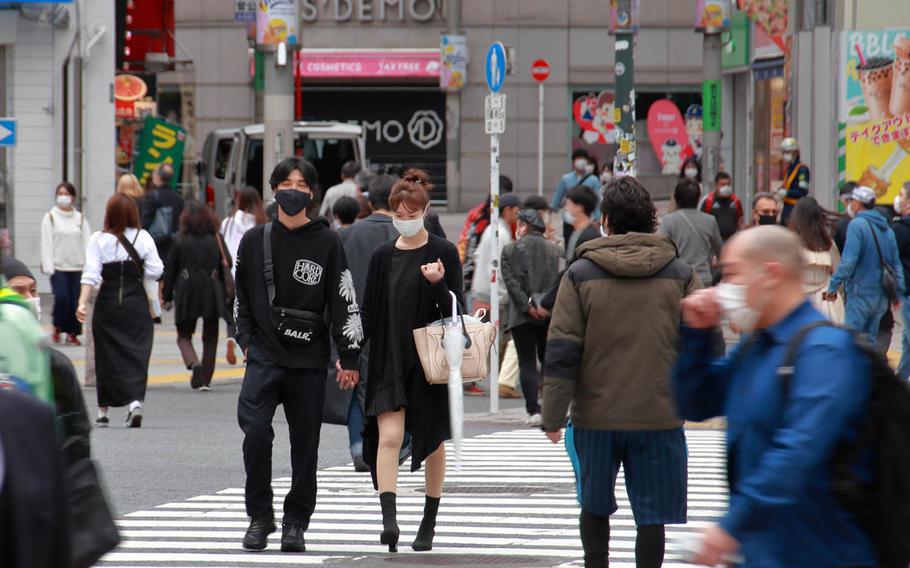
(232, 157)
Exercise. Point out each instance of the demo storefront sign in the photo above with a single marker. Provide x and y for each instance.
(402, 127)
(367, 11)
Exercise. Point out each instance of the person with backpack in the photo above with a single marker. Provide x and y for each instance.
(781, 436)
(64, 236)
(162, 209)
(725, 206)
(870, 270)
(118, 259)
(194, 283)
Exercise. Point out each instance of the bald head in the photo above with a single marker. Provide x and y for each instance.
(767, 243)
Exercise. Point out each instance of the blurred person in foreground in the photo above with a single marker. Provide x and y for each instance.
(782, 511)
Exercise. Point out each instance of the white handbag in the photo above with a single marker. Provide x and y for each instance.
(476, 362)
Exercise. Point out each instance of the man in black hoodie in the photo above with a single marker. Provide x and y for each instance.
(281, 309)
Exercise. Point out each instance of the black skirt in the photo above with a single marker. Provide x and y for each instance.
(123, 331)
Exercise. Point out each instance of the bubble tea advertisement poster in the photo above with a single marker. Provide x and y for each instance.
(875, 109)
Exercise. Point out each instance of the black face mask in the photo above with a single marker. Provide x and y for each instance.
(292, 202)
(767, 219)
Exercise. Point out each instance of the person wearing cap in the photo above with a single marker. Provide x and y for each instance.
(870, 244)
(796, 181)
(530, 267)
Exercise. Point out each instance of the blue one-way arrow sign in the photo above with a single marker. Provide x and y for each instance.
(7, 132)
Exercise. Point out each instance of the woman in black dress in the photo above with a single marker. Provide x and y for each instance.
(194, 283)
(407, 287)
(118, 258)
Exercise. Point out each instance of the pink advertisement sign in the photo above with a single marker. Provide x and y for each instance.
(405, 64)
(669, 138)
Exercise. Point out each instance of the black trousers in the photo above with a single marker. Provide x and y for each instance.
(185, 332)
(301, 391)
(65, 286)
(530, 343)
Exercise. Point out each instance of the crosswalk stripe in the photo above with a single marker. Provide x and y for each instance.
(515, 498)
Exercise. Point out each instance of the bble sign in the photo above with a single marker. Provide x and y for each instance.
(495, 114)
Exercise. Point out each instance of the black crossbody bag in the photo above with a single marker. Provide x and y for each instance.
(294, 327)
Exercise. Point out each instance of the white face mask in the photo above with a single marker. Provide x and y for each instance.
(568, 217)
(788, 157)
(580, 164)
(64, 201)
(606, 177)
(409, 228)
(733, 303)
(850, 212)
(691, 173)
(589, 168)
(35, 305)
(898, 205)
(725, 190)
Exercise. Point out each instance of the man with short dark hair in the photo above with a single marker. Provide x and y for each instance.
(695, 233)
(725, 206)
(870, 244)
(780, 445)
(345, 211)
(347, 188)
(765, 209)
(578, 212)
(611, 345)
(292, 276)
(578, 175)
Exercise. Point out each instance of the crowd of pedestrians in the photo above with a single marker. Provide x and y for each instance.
(613, 325)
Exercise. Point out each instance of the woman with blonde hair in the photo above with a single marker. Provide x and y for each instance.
(129, 185)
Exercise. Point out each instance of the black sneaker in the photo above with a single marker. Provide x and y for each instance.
(196, 379)
(134, 418)
(102, 422)
(292, 537)
(360, 466)
(257, 535)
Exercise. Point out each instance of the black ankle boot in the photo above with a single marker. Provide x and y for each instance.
(390, 529)
(427, 530)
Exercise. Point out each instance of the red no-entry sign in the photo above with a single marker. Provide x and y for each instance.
(540, 70)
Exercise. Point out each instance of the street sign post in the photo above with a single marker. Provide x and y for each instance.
(540, 71)
(8, 132)
(494, 125)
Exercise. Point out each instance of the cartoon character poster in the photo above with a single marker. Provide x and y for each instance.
(875, 109)
(669, 136)
(594, 115)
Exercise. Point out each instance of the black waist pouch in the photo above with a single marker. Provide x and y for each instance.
(297, 327)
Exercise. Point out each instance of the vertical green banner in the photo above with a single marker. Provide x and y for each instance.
(711, 104)
(161, 143)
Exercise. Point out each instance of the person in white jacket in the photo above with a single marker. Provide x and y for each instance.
(248, 212)
(64, 237)
(509, 205)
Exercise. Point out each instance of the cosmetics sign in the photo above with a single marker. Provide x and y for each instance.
(875, 108)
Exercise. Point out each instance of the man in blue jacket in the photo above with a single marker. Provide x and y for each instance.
(782, 511)
(860, 270)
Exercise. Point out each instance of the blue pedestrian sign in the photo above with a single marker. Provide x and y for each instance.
(7, 132)
(496, 66)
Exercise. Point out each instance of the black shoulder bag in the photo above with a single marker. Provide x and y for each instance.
(889, 278)
(294, 327)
